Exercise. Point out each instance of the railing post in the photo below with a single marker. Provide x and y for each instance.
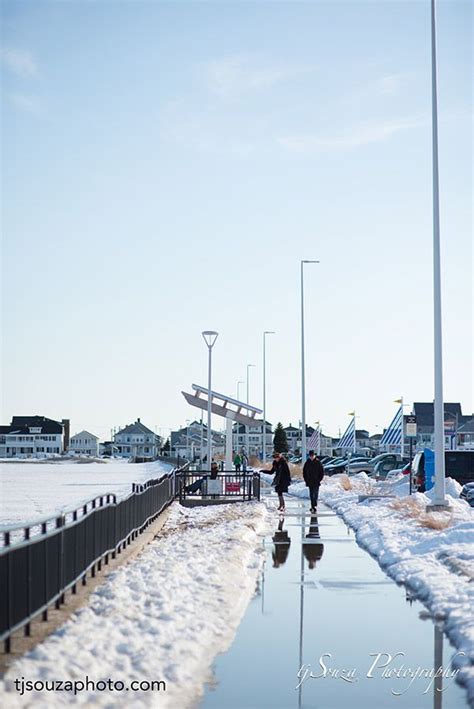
(59, 525)
(8, 584)
(27, 631)
(44, 529)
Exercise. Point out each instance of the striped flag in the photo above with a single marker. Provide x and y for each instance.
(393, 434)
(314, 443)
(348, 439)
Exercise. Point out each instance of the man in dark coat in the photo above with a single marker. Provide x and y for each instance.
(282, 479)
(313, 473)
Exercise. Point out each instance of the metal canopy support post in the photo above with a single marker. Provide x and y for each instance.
(228, 443)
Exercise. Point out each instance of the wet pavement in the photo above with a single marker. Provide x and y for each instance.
(323, 607)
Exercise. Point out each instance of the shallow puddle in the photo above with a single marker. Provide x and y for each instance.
(323, 607)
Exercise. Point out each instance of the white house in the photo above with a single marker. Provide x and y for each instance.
(137, 440)
(191, 441)
(242, 434)
(84, 443)
(33, 437)
(293, 436)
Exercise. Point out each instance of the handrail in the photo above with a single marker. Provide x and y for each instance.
(39, 569)
(63, 512)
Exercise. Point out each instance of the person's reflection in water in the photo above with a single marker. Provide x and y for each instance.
(312, 550)
(282, 543)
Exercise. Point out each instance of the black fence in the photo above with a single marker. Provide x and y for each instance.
(40, 561)
(228, 485)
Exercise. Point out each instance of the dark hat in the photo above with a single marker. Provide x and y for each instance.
(311, 453)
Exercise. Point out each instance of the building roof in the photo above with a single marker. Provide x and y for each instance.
(467, 427)
(241, 428)
(22, 424)
(137, 427)
(84, 433)
(424, 412)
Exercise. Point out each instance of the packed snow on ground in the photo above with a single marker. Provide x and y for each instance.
(164, 616)
(30, 490)
(431, 553)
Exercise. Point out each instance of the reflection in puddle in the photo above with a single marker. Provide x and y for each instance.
(281, 541)
(335, 602)
(312, 546)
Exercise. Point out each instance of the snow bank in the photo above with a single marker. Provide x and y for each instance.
(431, 553)
(163, 617)
(36, 489)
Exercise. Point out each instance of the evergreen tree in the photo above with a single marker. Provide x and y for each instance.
(280, 443)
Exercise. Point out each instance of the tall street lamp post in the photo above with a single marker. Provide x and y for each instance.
(439, 483)
(210, 337)
(303, 394)
(264, 425)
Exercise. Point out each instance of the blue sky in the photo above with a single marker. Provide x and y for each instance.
(167, 165)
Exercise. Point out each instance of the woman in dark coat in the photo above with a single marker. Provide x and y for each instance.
(282, 479)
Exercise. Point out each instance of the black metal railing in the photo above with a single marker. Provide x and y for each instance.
(41, 560)
(229, 485)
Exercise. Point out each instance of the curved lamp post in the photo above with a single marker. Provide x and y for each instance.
(210, 337)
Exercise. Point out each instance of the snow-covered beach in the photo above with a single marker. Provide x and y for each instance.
(35, 489)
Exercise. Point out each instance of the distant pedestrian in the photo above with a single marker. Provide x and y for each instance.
(237, 462)
(245, 461)
(313, 473)
(282, 479)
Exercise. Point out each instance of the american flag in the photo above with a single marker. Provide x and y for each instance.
(315, 441)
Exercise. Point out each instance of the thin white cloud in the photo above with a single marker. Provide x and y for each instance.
(389, 85)
(28, 104)
(230, 77)
(363, 134)
(20, 62)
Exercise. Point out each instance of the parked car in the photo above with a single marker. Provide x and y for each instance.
(459, 465)
(333, 461)
(336, 466)
(398, 471)
(467, 493)
(368, 465)
(386, 466)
